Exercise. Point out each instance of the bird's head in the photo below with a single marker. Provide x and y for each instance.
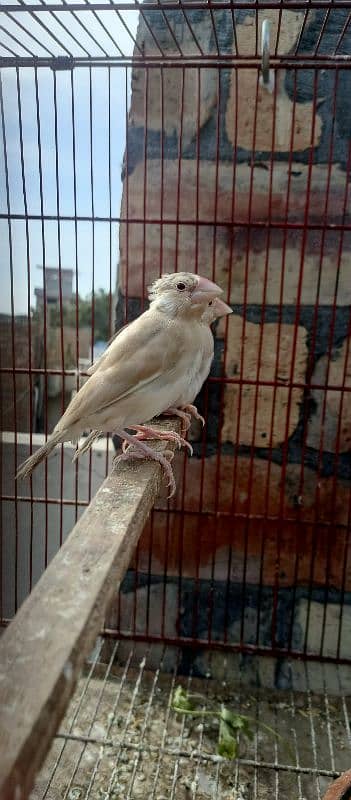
(183, 293)
(215, 309)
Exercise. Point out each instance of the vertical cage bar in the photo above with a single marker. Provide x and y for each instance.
(13, 344)
(62, 341)
(29, 327)
(76, 282)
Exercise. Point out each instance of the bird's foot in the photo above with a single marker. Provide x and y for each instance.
(147, 432)
(136, 448)
(185, 413)
(184, 416)
(125, 446)
(193, 412)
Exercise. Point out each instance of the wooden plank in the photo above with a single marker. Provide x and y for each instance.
(43, 649)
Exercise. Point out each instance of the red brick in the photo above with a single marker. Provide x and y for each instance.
(275, 552)
(269, 352)
(257, 488)
(329, 427)
(266, 125)
(144, 250)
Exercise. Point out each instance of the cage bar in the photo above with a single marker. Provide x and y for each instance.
(138, 138)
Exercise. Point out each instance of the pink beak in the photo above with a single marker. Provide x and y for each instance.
(205, 291)
(221, 308)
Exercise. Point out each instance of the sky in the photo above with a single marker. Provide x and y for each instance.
(94, 252)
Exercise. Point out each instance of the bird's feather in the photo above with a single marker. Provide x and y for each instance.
(146, 367)
(97, 364)
(140, 355)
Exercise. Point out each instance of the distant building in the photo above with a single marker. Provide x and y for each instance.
(52, 286)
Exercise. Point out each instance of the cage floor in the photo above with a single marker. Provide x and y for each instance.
(121, 737)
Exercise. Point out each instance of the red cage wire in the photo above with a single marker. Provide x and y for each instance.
(71, 112)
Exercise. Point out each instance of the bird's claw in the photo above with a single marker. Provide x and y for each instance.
(185, 413)
(131, 451)
(193, 412)
(125, 446)
(172, 436)
(184, 416)
(144, 432)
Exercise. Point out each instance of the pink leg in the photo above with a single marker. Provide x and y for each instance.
(146, 432)
(142, 450)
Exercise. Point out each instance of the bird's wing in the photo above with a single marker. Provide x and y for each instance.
(97, 364)
(143, 352)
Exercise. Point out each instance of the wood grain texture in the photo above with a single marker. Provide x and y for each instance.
(43, 650)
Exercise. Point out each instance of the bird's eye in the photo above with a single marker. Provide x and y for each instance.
(181, 287)
(211, 303)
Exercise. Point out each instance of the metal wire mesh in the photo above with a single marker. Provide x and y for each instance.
(97, 31)
(255, 547)
(121, 737)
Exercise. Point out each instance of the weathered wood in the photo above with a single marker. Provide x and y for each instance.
(44, 648)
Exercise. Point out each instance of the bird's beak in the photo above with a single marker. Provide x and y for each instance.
(205, 291)
(221, 308)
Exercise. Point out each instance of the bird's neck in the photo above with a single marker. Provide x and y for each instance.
(176, 310)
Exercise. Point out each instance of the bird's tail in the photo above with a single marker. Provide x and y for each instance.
(27, 467)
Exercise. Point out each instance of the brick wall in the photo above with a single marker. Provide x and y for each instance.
(290, 291)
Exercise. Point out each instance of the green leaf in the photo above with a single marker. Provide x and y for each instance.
(181, 700)
(227, 745)
(236, 722)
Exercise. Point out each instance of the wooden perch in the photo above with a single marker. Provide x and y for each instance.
(44, 648)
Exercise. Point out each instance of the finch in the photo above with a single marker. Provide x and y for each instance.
(144, 371)
(183, 408)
